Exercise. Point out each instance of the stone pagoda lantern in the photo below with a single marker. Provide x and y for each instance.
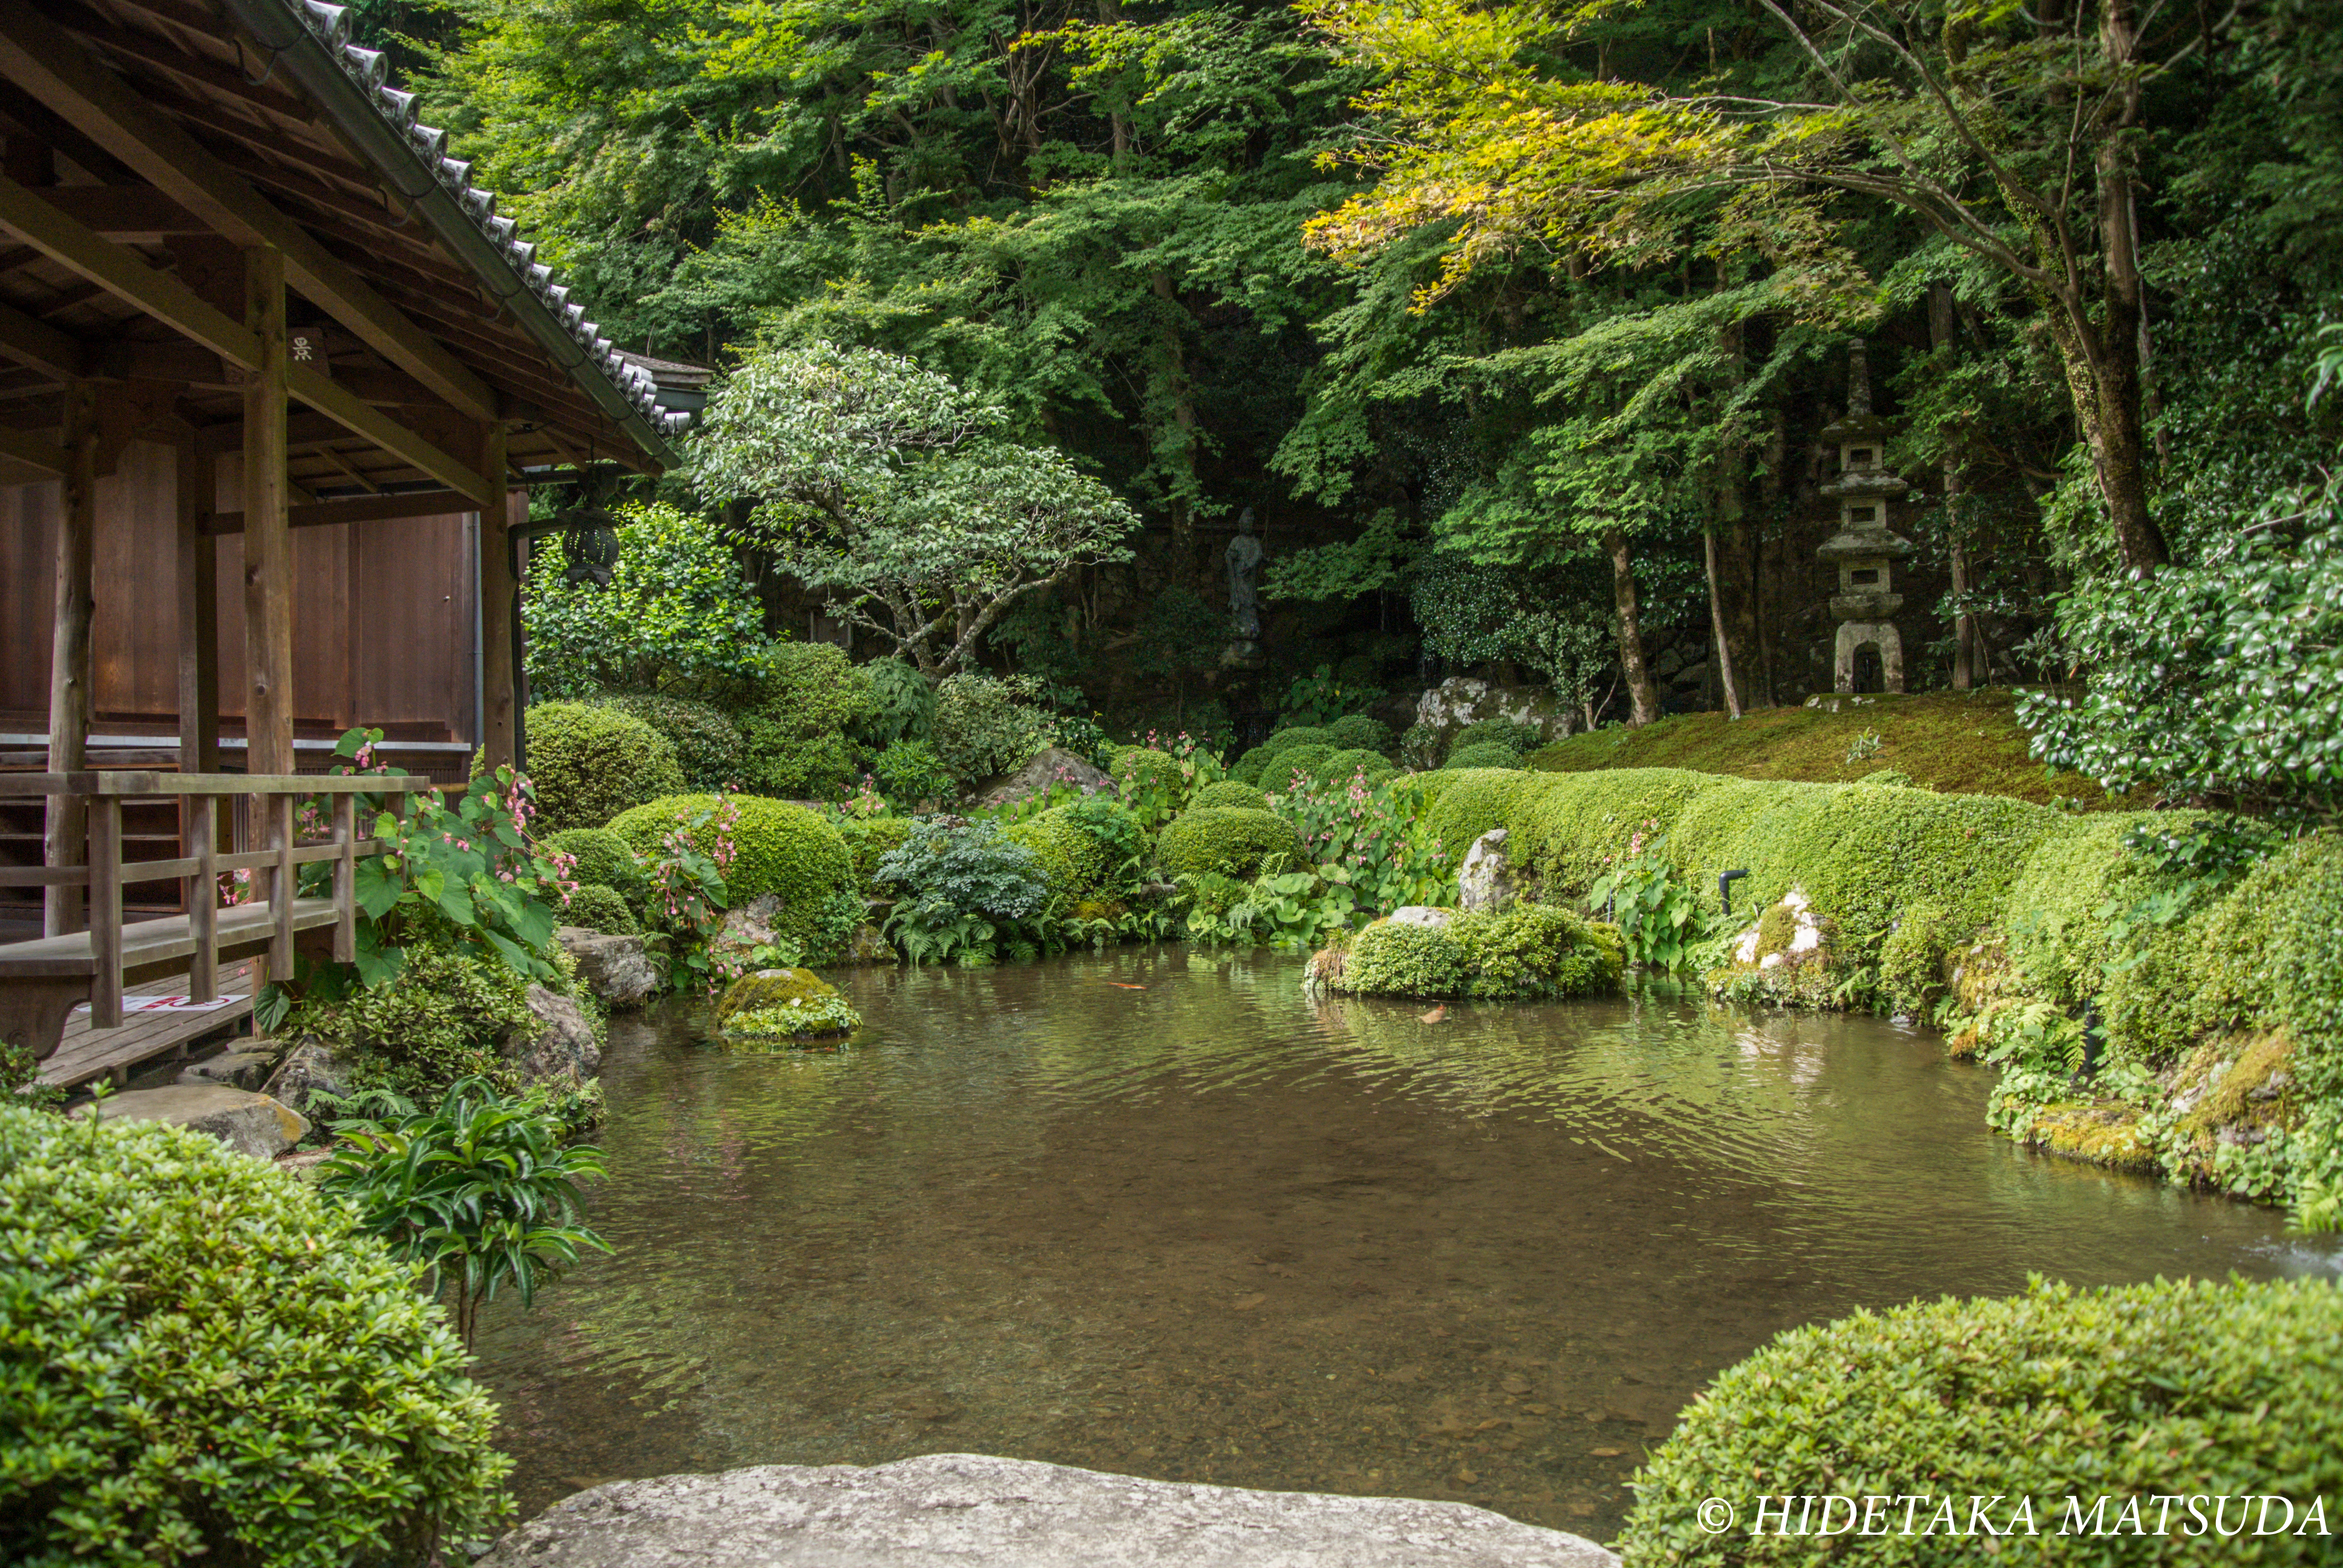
(1863, 548)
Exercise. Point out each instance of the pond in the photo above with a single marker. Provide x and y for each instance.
(1155, 1212)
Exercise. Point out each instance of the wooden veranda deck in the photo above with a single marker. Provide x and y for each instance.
(87, 1054)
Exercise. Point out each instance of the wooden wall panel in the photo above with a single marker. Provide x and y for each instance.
(381, 622)
(28, 566)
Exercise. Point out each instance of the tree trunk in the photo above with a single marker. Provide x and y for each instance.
(1964, 666)
(1644, 697)
(1181, 399)
(1717, 625)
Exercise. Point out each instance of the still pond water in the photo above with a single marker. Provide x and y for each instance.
(1210, 1230)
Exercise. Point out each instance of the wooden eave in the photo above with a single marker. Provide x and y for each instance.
(150, 142)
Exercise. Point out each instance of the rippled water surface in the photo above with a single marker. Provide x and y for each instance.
(1155, 1212)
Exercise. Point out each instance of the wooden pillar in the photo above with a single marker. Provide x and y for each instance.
(500, 676)
(198, 590)
(268, 545)
(65, 838)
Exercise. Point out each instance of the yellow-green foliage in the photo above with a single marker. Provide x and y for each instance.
(772, 988)
(1140, 768)
(1394, 958)
(1959, 742)
(600, 909)
(2180, 1387)
(1306, 760)
(1072, 862)
(818, 1018)
(777, 846)
(1226, 842)
(205, 1363)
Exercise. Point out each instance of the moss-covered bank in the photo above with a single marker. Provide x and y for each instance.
(2209, 1047)
(1969, 742)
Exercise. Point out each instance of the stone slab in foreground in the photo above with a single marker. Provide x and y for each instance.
(249, 1123)
(968, 1511)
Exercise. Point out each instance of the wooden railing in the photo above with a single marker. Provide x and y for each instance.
(275, 867)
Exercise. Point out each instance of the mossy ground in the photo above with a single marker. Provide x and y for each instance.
(1953, 741)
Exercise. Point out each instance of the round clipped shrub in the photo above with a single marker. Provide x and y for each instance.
(600, 909)
(1247, 768)
(1344, 766)
(1083, 847)
(1482, 754)
(1360, 732)
(1304, 760)
(778, 847)
(201, 1361)
(1225, 841)
(708, 746)
(1392, 958)
(1138, 768)
(590, 763)
(1286, 739)
(2183, 1389)
(1539, 951)
(599, 858)
(1230, 793)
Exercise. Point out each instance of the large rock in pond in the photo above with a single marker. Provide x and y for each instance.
(562, 1044)
(247, 1122)
(969, 1511)
(614, 968)
(1049, 766)
(1486, 880)
(782, 1007)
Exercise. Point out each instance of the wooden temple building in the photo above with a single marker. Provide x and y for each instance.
(275, 378)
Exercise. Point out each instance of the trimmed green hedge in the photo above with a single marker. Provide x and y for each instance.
(1306, 760)
(589, 763)
(1482, 754)
(602, 858)
(777, 846)
(600, 909)
(201, 1361)
(1084, 846)
(1231, 793)
(708, 745)
(2184, 1388)
(1226, 842)
(1360, 733)
(1526, 951)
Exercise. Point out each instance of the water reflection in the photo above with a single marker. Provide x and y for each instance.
(1154, 1213)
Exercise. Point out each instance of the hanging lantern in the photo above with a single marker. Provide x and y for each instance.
(590, 545)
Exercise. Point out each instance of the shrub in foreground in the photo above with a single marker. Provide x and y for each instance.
(200, 1360)
(2184, 1388)
(590, 763)
(1226, 842)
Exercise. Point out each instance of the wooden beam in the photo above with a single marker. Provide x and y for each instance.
(65, 838)
(355, 510)
(133, 215)
(29, 340)
(499, 674)
(23, 447)
(46, 61)
(267, 551)
(126, 275)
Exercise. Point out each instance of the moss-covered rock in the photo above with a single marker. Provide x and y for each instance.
(772, 988)
(1226, 841)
